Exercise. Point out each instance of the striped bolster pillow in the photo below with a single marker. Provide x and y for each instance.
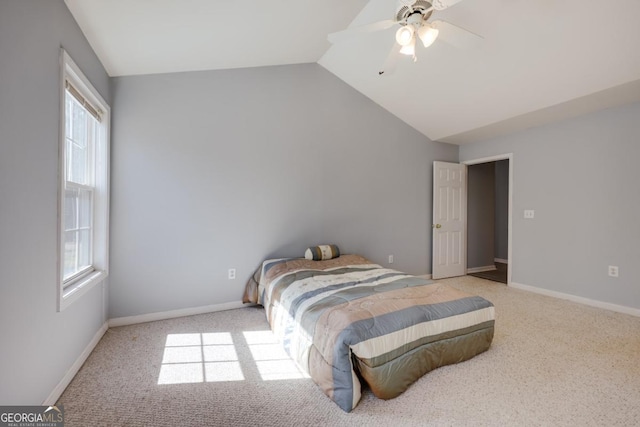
(318, 253)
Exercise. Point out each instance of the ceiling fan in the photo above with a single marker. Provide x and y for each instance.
(413, 18)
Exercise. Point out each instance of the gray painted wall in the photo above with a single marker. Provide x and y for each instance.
(480, 215)
(222, 169)
(501, 231)
(581, 178)
(39, 345)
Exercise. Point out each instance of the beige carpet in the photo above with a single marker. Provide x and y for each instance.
(552, 363)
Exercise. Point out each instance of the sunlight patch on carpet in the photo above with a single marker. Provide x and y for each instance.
(272, 361)
(213, 357)
(195, 358)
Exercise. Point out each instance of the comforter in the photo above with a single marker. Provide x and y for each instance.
(348, 318)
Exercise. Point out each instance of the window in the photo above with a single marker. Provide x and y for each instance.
(84, 189)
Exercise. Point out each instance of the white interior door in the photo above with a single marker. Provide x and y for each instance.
(449, 220)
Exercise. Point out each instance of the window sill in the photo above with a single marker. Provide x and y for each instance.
(79, 288)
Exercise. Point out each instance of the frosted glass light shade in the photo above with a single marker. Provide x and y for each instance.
(427, 35)
(409, 49)
(404, 35)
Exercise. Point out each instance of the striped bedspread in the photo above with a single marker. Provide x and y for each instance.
(347, 316)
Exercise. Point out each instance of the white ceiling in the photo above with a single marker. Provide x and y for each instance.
(540, 61)
(164, 36)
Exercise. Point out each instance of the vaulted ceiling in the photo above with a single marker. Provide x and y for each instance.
(539, 61)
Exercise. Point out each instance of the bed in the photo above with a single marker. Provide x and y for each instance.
(347, 319)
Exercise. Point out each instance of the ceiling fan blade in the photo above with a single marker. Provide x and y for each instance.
(444, 4)
(389, 66)
(369, 28)
(456, 36)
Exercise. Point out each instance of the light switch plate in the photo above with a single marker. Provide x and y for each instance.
(528, 213)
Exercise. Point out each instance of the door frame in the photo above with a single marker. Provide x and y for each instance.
(507, 156)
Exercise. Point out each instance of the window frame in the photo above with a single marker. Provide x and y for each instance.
(84, 280)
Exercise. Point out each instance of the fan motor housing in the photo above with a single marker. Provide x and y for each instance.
(420, 6)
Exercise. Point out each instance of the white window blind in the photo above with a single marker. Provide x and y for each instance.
(94, 111)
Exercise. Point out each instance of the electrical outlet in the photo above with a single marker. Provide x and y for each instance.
(613, 270)
(390, 259)
(528, 213)
(232, 273)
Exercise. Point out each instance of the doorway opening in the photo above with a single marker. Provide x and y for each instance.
(489, 202)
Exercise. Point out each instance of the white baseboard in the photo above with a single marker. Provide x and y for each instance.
(501, 260)
(586, 301)
(163, 315)
(481, 269)
(73, 370)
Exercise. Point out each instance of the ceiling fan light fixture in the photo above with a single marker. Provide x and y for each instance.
(404, 35)
(409, 49)
(427, 34)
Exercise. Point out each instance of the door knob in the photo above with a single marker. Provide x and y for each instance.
(437, 226)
